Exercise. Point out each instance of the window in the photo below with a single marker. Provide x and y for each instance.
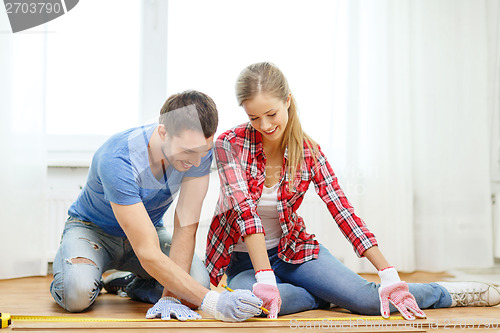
(210, 42)
(92, 73)
(111, 64)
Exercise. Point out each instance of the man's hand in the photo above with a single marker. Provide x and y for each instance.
(168, 306)
(234, 306)
(395, 291)
(267, 290)
(168, 293)
(143, 237)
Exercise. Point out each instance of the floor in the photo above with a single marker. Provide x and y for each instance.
(30, 297)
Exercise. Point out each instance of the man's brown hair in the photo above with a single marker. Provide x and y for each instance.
(193, 110)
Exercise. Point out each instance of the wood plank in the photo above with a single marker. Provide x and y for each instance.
(30, 296)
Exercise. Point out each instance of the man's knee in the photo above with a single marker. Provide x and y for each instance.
(76, 290)
(80, 260)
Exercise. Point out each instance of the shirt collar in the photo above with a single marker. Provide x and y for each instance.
(255, 137)
(256, 141)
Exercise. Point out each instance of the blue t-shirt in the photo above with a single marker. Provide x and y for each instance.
(120, 173)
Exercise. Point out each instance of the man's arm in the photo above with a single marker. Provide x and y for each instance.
(186, 218)
(236, 306)
(142, 235)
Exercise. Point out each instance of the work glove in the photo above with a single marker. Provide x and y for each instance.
(233, 306)
(395, 291)
(168, 306)
(267, 290)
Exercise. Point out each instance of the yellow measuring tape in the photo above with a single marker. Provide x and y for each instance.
(6, 319)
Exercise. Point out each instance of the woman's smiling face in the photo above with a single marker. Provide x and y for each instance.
(268, 115)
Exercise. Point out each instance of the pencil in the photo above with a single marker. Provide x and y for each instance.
(231, 290)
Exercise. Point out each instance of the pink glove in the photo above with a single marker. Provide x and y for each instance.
(267, 290)
(393, 290)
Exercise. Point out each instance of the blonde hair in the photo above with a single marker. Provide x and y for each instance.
(267, 78)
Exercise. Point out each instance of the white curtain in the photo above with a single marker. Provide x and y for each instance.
(395, 92)
(413, 117)
(23, 217)
(452, 197)
(493, 22)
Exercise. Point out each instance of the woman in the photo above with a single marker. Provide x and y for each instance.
(259, 241)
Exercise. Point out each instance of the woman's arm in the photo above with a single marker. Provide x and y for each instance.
(375, 256)
(234, 187)
(328, 189)
(266, 288)
(256, 246)
(236, 196)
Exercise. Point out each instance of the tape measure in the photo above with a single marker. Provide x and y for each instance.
(7, 319)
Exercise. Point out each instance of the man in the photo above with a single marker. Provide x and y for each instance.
(116, 221)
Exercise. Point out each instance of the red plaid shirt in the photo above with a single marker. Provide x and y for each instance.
(241, 163)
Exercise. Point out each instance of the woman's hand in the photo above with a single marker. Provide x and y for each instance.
(395, 291)
(267, 290)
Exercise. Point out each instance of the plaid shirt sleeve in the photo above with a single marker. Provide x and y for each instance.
(234, 188)
(327, 187)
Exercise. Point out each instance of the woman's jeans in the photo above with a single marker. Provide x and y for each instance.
(76, 285)
(323, 281)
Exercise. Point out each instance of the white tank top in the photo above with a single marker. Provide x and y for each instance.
(267, 208)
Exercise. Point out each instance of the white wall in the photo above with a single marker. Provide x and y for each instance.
(22, 154)
(438, 72)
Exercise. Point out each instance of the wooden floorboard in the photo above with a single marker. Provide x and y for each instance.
(31, 297)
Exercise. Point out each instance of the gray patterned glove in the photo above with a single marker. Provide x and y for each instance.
(168, 306)
(234, 306)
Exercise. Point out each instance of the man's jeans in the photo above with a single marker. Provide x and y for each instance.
(320, 282)
(76, 285)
